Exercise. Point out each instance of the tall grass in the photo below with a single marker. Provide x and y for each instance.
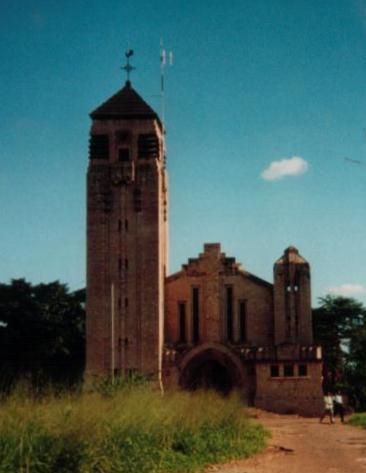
(132, 430)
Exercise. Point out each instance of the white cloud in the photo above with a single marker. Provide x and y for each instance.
(348, 289)
(294, 166)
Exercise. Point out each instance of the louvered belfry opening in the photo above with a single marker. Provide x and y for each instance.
(148, 146)
(99, 147)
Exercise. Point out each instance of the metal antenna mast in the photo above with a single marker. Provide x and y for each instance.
(166, 58)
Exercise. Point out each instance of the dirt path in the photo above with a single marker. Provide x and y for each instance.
(300, 445)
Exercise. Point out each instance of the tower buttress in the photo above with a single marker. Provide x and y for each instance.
(126, 237)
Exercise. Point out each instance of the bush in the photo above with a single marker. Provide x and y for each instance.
(358, 420)
(133, 430)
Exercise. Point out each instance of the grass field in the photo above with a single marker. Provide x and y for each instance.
(358, 420)
(132, 430)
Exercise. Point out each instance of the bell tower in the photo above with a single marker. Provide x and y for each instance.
(126, 237)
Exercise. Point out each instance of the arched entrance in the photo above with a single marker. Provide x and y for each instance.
(211, 367)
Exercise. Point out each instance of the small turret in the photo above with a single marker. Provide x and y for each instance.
(292, 299)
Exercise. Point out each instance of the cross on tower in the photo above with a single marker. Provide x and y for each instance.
(128, 68)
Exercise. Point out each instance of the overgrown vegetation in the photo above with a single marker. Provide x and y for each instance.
(130, 430)
(358, 420)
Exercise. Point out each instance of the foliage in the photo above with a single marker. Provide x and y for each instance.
(358, 420)
(355, 371)
(340, 327)
(135, 430)
(41, 333)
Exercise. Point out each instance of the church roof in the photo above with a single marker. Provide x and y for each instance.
(125, 104)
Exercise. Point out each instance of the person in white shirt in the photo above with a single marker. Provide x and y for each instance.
(328, 408)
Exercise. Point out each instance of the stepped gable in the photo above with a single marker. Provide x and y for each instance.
(225, 265)
(212, 252)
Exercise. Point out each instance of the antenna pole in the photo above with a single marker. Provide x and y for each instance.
(162, 67)
(112, 334)
(164, 57)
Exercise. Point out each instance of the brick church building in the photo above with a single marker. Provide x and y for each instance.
(212, 324)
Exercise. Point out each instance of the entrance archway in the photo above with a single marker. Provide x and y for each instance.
(211, 367)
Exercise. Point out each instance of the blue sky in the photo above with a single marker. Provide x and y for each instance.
(253, 82)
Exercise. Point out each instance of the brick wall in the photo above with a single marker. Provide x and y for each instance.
(288, 395)
(126, 234)
(212, 273)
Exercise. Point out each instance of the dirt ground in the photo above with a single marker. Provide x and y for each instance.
(301, 445)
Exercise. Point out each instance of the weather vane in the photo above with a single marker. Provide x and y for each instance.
(128, 68)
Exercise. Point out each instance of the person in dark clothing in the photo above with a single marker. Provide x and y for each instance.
(338, 405)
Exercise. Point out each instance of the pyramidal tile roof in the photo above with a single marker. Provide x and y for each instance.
(125, 104)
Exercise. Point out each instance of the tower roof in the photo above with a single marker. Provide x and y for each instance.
(291, 255)
(125, 104)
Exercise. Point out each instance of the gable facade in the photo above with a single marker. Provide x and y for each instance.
(228, 329)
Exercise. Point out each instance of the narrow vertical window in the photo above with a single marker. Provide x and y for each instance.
(126, 264)
(126, 225)
(124, 154)
(119, 225)
(242, 321)
(126, 302)
(229, 313)
(195, 314)
(182, 321)
(119, 265)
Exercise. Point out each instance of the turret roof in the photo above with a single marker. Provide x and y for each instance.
(291, 255)
(125, 104)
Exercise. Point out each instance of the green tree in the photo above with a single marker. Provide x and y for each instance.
(42, 333)
(355, 370)
(340, 328)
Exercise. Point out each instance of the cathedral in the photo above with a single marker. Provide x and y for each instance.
(212, 324)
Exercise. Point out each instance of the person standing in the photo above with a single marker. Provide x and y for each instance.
(338, 405)
(328, 408)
